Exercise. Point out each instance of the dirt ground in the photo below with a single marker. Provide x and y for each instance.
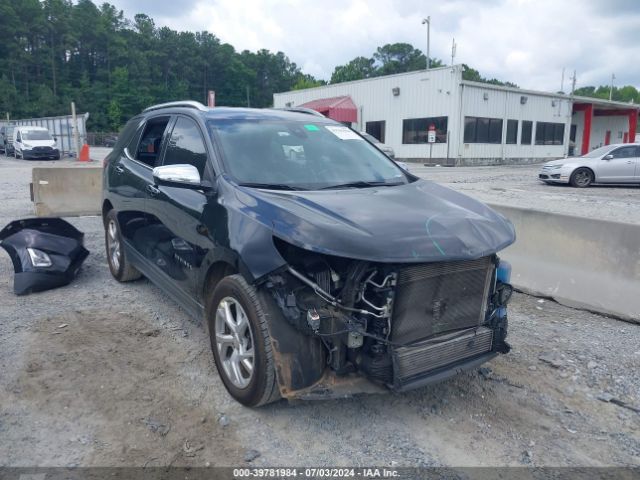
(106, 374)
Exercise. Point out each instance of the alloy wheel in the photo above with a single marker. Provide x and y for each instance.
(582, 178)
(113, 244)
(234, 342)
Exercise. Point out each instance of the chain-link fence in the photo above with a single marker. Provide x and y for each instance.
(102, 139)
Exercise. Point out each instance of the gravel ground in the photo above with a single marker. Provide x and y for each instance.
(106, 374)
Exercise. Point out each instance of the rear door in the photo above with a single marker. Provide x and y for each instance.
(182, 241)
(619, 169)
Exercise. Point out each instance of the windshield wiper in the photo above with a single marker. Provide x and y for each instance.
(271, 186)
(363, 184)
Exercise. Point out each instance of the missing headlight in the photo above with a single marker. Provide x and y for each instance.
(503, 294)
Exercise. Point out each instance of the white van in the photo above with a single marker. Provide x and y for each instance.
(30, 142)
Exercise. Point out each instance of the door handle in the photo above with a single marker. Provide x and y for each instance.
(119, 170)
(153, 191)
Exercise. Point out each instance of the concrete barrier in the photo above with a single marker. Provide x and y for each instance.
(579, 262)
(67, 191)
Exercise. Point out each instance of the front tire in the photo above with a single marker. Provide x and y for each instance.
(241, 343)
(119, 265)
(581, 178)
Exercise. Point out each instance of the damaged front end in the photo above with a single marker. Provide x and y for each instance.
(46, 253)
(400, 325)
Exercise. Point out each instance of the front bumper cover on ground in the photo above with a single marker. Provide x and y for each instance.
(61, 243)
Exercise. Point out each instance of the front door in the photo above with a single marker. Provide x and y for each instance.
(131, 180)
(181, 240)
(620, 168)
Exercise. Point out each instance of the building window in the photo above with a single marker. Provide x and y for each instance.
(512, 132)
(525, 135)
(482, 130)
(414, 130)
(376, 129)
(548, 133)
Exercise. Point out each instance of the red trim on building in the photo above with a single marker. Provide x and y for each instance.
(341, 109)
(625, 137)
(633, 125)
(586, 133)
(607, 137)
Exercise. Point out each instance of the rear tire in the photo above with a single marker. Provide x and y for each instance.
(581, 178)
(241, 343)
(119, 265)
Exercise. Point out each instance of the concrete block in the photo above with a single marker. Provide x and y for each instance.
(67, 191)
(577, 261)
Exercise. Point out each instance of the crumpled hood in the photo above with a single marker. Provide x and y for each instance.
(418, 222)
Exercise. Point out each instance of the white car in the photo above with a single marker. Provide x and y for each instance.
(30, 142)
(618, 163)
(388, 151)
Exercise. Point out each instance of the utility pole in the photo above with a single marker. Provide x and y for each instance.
(453, 51)
(573, 83)
(428, 22)
(76, 133)
(613, 77)
(562, 81)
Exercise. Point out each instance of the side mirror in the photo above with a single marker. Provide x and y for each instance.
(607, 157)
(180, 176)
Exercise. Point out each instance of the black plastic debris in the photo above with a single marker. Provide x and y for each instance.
(46, 253)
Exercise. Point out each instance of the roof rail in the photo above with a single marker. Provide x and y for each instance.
(308, 111)
(181, 103)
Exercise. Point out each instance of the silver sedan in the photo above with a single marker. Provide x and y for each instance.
(619, 163)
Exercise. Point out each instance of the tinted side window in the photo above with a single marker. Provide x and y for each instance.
(624, 152)
(186, 146)
(149, 145)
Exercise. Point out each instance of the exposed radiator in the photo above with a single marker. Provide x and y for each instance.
(429, 355)
(434, 298)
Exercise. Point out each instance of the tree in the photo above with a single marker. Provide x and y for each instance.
(399, 58)
(627, 94)
(307, 81)
(356, 69)
(58, 51)
(473, 75)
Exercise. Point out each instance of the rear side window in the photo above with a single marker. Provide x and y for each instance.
(186, 146)
(148, 148)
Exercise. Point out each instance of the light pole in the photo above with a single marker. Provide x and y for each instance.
(428, 22)
(613, 77)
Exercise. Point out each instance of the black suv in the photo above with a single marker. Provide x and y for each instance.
(320, 267)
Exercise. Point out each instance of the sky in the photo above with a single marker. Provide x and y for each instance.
(527, 42)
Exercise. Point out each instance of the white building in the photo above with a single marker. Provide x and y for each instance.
(475, 123)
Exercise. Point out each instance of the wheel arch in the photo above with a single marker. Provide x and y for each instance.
(107, 206)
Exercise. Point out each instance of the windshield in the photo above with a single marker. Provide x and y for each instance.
(36, 135)
(598, 152)
(302, 155)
